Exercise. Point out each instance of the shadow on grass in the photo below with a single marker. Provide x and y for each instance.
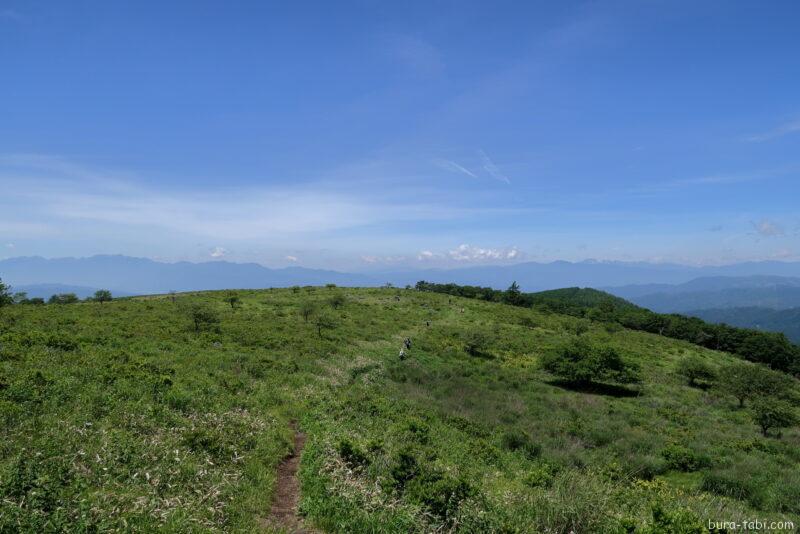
(594, 388)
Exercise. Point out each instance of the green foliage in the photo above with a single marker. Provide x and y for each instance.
(102, 295)
(697, 371)
(233, 299)
(64, 298)
(681, 458)
(476, 342)
(126, 419)
(517, 440)
(323, 322)
(769, 413)
(202, 316)
(764, 347)
(5, 294)
(306, 309)
(582, 362)
(337, 300)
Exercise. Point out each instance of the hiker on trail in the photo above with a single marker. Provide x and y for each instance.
(407, 342)
(402, 354)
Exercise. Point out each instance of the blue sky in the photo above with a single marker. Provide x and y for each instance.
(371, 135)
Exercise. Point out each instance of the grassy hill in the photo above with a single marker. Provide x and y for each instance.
(145, 414)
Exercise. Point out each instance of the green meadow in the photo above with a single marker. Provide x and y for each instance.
(171, 413)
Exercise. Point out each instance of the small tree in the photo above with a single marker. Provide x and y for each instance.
(747, 381)
(203, 317)
(20, 297)
(102, 295)
(330, 286)
(64, 298)
(773, 413)
(337, 301)
(5, 294)
(513, 295)
(324, 321)
(307, 309)
(233, 299)
(697, 371)
(583, 363)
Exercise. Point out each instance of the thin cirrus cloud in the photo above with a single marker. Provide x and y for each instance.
(491, 168)
(780, 131)
(452, 166)
(58, 193)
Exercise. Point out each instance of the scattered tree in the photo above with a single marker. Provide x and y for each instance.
(20, 297)
(583, 363)
(5, 294)
(748, 381)
(203, 317)
(233, 299)
(513, 295)
(38, 301)
(64, 298)
(102, 295)
(697, 371)
(324, 321)
(330, 286)
(337, 301)
(307, 309)
(770, 412)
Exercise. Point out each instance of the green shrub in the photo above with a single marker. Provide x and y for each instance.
(697, 371)
(682, 458)
(517, 440)
(582, 362)
(351, 454)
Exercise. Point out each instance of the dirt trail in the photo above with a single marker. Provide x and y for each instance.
(283, 514)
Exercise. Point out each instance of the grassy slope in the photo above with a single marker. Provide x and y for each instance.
(117, 416)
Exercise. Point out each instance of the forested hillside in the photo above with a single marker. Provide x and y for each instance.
(173, 412)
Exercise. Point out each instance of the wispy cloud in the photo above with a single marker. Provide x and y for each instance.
(491, 168)
(417, 55)
(452, 166)
(767, 228)
(292, 259)
(780, 131)
(56, 192)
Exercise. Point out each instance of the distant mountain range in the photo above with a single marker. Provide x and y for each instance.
(786, 321)
(714, 292)
(124, 274)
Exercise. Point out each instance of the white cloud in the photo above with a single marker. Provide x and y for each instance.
(426, 255)
(767, 228)
(780, 131)
(218, 252)
(468, 253)
(491, 168)
(291, 258)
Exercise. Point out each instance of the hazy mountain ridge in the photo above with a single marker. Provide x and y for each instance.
(125, 274)
(786, 321)
(715, 292)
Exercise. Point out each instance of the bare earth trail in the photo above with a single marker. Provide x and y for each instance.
(283, 514)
